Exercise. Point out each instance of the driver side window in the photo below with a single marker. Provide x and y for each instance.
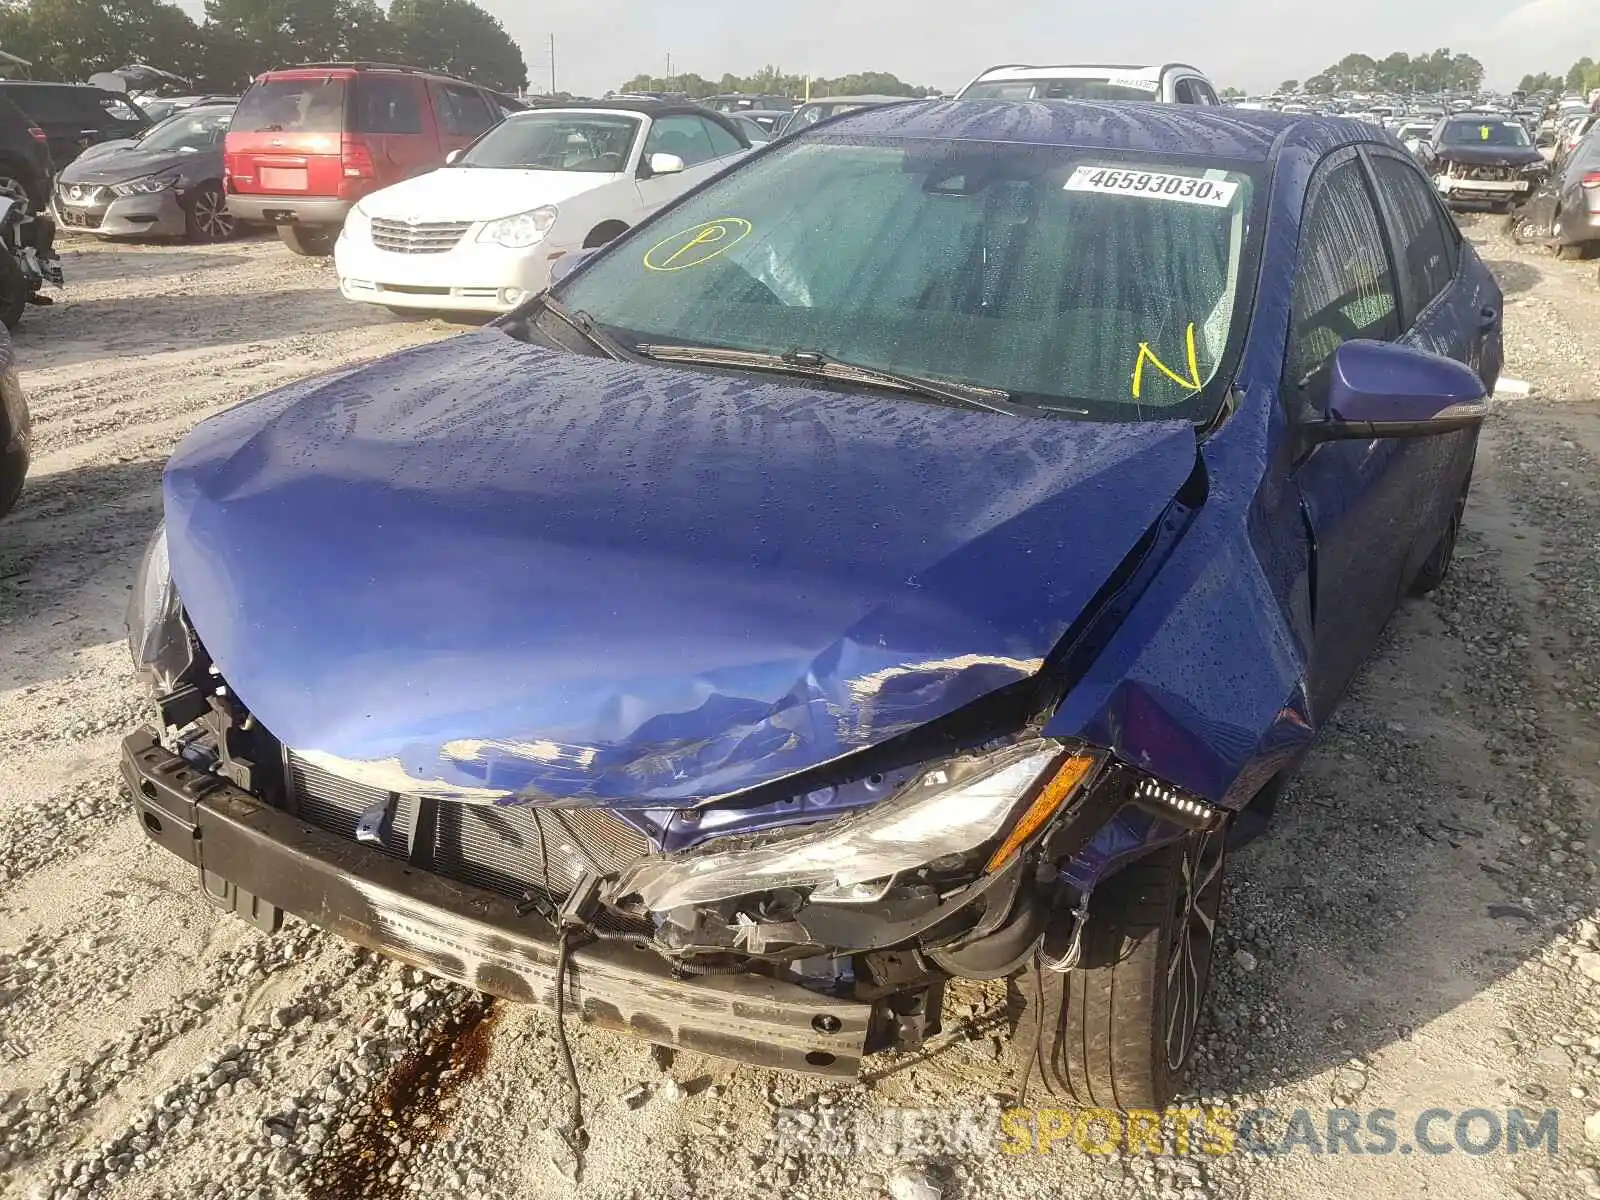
(1343, 285)
(682, 135)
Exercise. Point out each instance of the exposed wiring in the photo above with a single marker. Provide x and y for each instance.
(576, 1132)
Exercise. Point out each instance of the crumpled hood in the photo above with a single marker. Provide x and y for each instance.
(484, 570)
(119, 164)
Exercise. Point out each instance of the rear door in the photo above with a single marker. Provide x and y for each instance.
(395, 121)
(286, 138)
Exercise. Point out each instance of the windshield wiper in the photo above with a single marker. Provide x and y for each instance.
(586, 328)
(820, 366)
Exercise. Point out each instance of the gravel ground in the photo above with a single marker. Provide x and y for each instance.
(1417, 931)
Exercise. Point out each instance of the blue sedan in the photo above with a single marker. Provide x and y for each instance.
(913, 555)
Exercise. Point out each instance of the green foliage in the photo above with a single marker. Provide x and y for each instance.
(772, 81)
(1440, 71)
(72, 39)
(459, 38)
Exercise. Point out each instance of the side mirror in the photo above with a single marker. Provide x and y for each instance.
(1380, 390)
(664, 164)
(568, 263)
(452, 158)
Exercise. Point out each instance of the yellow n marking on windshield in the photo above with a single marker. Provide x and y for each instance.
(1193, 382)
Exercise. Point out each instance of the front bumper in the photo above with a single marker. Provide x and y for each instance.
(159, 214)
(1493, 190)
(471, 277)
(258, 862)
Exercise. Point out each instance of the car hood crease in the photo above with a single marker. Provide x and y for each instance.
(483, 570)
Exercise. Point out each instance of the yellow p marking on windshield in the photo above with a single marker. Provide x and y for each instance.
(1193, 382)
(696, 245)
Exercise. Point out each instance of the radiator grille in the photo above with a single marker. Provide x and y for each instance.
(1485, 172)
(505, 849)
(428, 237)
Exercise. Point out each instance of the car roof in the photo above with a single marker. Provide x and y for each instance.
(857, 100)
(1245, 135)
(51, 83)
(1150, 71)
(648, 108)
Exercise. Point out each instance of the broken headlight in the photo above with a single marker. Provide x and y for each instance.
(158, 636)
(950, 812)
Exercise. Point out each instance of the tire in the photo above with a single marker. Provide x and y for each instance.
(1436, 569)
(1574, 253)
(14, 291)
(1500, 207)
(603, 233)
(309, 241)
(1525, 232)
(1112, 1033)
(205, 216)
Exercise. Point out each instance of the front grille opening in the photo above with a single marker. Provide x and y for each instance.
(426, 237)
(510, 850)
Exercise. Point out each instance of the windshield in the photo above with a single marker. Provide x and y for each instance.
(1485, 133)
(1074, 280)
(193, 129)
(1103, 88)
(314, 104)
(556, 142)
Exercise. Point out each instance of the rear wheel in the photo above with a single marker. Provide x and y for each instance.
(311, 241)
(1117, 1031)
(206, 216)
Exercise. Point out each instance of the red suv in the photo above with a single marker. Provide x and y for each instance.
(307, 142)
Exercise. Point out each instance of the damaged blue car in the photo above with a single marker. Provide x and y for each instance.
(909, 557)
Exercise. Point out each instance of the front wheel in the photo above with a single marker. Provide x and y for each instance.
(14, 291)
(1437, 568)
(206, 216)
(1117, 1031)
(308, 240)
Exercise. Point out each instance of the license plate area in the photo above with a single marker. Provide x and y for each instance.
(282, 179)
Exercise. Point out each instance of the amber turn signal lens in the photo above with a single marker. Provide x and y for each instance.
(1045, 805)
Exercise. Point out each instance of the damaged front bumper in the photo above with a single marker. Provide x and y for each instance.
(259, 862)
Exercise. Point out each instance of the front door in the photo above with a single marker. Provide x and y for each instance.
(1352, 493)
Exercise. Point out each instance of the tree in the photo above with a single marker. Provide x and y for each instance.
(1581, 74)
(1289, 85)
(458, 38)
(285, 32)
(1233, 93)
(773, 81)
(1542, 82)
(72, 39)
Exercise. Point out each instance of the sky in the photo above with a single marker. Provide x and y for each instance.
(1253, 44)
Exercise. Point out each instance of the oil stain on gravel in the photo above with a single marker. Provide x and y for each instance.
(408, 1109)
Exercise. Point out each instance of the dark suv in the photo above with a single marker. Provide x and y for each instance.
(307, 143)
(74, 116)
(25, 166)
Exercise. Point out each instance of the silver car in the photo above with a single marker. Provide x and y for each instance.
(167, 183)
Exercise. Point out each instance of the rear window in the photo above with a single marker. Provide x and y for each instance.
(314, 104)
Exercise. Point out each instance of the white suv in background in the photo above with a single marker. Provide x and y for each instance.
(1170, 83)
(482, 233)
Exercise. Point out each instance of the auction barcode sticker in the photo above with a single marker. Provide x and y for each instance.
(1154, 185)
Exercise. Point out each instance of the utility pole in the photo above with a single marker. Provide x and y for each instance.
(552, 64)
(669, 70)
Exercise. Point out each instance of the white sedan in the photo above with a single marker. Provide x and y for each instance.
(482, 233)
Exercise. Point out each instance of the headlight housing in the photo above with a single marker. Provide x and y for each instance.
(158, 636)
(951, 811)
(358, 222)
(522, 230)
(146, 185)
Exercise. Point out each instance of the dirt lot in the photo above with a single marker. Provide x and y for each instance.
(1417, 932)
